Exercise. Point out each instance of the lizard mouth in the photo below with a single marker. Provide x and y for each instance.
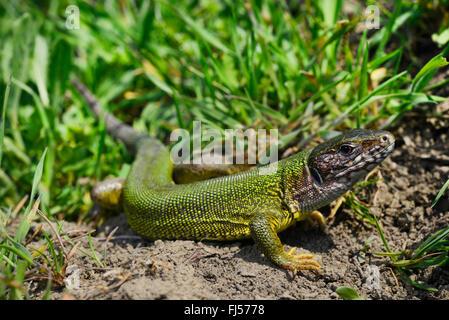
(379, 156)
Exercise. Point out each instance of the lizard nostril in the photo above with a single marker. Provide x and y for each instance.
(384, 138)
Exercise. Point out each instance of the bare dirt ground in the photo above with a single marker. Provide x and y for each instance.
(135, 268)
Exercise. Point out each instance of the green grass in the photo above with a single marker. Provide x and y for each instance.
(431, 252)
(304, 67)
(440, 193)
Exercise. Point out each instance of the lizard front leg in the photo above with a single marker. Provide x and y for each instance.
(263, 230)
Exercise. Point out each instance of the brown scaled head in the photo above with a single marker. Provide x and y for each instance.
(342, 161)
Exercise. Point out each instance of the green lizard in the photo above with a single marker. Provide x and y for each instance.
(242, 205)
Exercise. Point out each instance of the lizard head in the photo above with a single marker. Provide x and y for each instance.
(337, 164)
(347, 158)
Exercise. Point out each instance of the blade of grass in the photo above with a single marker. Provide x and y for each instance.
(53, 229)
(388, 29)
(362, 46)
(94, 255)
(424, 75)
(47, 293)
(295, 112)
(23, 40)
(24, 226)
(342, 28)
(178, 111)
(39, 66)
(382, 237)
(363, 85)
(2, 124)
(49, 129)
(18, 246)
(17, 252)
(430, 243)
(16, 293)
(440, 193)
(414, 283)
(55, 263)
(58, 74)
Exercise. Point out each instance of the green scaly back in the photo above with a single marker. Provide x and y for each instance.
(218, 209)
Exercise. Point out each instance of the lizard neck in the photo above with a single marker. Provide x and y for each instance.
(301, 194)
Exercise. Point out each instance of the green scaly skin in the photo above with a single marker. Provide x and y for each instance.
(242, 205)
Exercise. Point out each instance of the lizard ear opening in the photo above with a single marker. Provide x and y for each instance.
(316, 176)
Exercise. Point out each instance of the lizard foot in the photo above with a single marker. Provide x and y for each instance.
(316, 218)
(295, 262)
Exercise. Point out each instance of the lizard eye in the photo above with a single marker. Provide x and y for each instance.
(346, 149)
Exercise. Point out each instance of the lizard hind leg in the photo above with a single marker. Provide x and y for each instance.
(263, 232)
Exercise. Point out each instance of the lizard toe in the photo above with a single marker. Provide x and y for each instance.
(296, 262)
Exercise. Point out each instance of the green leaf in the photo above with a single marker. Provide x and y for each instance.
(348, 293)
(442, 38)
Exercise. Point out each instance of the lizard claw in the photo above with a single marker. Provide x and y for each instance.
(296, 262)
